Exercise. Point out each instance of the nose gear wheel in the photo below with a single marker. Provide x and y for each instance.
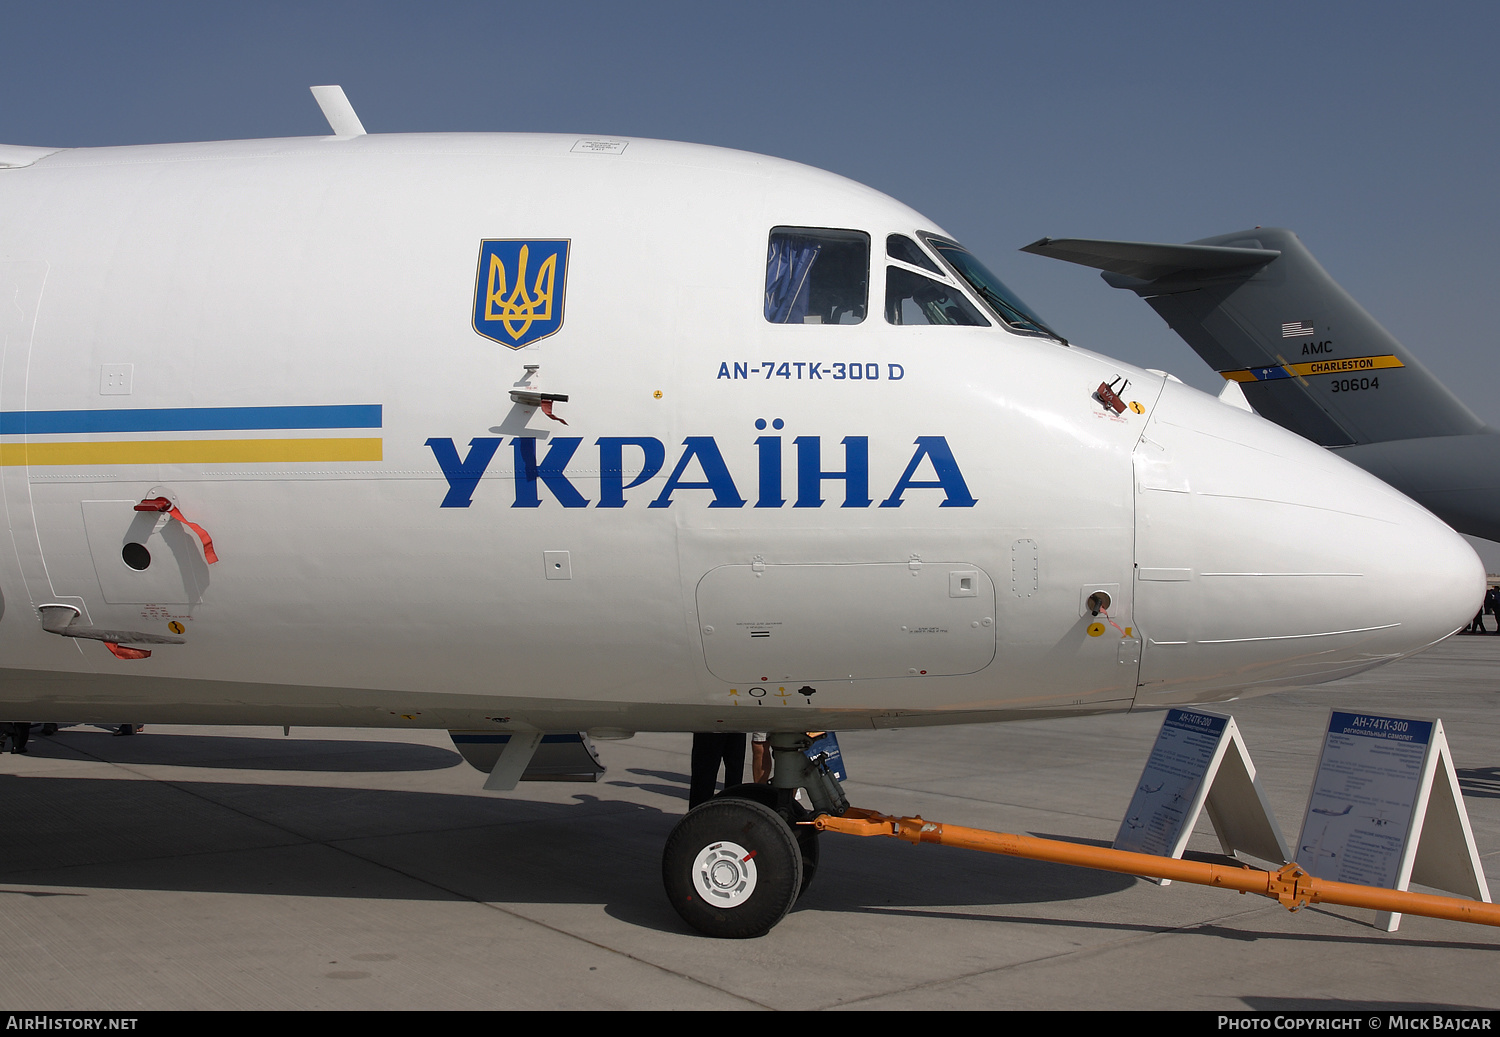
(732, 868)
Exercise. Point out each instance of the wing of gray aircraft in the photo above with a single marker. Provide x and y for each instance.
(1260, 310)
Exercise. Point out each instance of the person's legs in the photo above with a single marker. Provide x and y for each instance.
(708, 750)
(760, 758)
(734, 760)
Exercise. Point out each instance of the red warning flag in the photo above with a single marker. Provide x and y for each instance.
(121, 652)
(163, 504)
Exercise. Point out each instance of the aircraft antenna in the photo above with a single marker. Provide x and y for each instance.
(338, 111)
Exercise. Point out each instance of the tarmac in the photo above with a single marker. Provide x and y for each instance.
(237, 868)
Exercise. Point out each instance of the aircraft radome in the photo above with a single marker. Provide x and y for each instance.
(519, 434)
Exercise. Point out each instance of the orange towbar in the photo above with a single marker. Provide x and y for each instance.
(1289, 885)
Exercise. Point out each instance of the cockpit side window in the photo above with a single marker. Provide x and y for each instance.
(911, 298)
(815, 275)
(899, 246)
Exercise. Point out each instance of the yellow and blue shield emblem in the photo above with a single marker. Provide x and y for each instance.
(518, 291)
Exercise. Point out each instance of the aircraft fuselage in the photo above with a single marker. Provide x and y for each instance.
(333, 356)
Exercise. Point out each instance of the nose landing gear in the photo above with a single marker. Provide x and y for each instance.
(734, 866)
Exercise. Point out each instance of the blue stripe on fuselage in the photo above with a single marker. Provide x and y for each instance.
(188, 419)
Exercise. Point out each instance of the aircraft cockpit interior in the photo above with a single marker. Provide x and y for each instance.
(817, 276)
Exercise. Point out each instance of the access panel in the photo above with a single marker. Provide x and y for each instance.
(841, 622)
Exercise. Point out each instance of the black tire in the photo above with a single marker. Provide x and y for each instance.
(784, 802)
(732, 868)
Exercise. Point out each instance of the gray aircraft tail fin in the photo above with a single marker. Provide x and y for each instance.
(1261, 311)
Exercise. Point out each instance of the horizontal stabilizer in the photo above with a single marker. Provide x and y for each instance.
(1151, 261)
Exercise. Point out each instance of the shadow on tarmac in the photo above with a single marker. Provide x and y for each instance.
(307, 841)
(677, 789)
(1479, 782)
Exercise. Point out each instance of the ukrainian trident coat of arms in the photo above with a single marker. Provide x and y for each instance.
(519, 289)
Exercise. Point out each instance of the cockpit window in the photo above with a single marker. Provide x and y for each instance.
(990, 289)
(899, 246)
(817, 276)
(911, 298)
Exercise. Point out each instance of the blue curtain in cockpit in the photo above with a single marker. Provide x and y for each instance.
(788, 265)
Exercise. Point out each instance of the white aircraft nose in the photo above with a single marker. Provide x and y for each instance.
(1264, 561)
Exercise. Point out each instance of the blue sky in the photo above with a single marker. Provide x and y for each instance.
(1369, 128)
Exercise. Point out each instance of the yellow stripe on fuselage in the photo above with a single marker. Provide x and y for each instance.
(190, 451)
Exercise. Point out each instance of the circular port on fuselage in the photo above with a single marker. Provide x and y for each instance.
(136, 556)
